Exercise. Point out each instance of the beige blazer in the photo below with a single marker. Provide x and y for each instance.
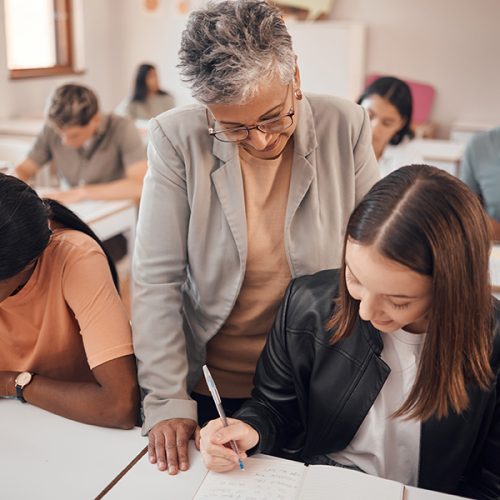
(191, 247)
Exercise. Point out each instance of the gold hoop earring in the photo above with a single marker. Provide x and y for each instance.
(298, 94)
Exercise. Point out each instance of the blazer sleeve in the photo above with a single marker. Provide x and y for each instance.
(273, 411)
(159, 270)
(367, 171)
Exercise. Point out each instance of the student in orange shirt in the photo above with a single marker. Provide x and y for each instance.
(65, 339)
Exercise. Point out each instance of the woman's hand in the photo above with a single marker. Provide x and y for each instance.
(215, 448)
(168, 443)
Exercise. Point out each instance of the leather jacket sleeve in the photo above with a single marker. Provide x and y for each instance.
(484, 480)
(273, 410)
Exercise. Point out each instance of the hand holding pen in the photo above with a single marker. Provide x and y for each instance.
(220, 410)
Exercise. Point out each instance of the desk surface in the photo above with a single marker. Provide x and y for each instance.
(160, 485)
(91, 211)
(49, 457)
(439, 150)
(21, 126)
(183, 486)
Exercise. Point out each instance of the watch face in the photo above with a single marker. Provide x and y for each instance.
(23, 379)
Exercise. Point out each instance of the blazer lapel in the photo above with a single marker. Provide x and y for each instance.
(303, 165)
(228, 183)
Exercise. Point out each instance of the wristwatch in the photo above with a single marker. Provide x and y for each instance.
(22, 380)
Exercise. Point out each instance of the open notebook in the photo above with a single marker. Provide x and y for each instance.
(278, 479)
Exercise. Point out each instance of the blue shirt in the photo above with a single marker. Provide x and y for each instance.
(480, 169)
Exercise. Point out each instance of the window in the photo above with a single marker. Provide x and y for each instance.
(39, 37)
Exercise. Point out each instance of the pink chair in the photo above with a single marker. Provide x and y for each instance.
(423, 96)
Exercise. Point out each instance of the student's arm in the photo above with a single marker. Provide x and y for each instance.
(110, 401)
(271, 416)
(484, 480)
(129, 187)
(26, 169)
(273, 410)
(133, 155)
(39, 155)
(160, 262)
(468, 166)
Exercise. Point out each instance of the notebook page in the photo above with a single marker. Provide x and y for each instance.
(336, 483)
(262, 479)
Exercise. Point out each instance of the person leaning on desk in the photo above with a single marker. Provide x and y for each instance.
(100, 156)
(391, 364)
(250, 188)
(480, 170)
(65, 339)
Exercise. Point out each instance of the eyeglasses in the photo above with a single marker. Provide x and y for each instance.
(270, 126)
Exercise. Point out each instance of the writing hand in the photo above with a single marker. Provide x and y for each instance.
(67, 197)
(168, 443)
(215, 441)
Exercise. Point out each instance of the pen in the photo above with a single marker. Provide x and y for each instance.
(222, 414)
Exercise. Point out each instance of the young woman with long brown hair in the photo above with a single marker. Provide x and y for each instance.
(389, 365)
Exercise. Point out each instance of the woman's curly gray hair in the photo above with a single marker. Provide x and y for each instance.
(229, 48)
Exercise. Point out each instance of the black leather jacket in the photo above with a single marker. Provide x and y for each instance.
(311, 397)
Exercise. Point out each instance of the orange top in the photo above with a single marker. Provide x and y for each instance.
(68, 318)
(233, 352)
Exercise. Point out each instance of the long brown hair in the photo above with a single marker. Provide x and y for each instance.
(429, 221)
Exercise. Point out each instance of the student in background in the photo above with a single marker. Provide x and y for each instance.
(148, 99)
(99, 156)
(480, 170)
(245, 190)
(391, 364)
(65, 339)
(389, 104)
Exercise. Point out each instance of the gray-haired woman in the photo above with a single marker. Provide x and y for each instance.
(244, 191)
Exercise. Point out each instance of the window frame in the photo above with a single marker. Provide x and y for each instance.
(63, 26)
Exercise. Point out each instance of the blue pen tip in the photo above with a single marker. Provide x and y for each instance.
(242, 465)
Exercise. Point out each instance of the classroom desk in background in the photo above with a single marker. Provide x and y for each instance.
(109, 218)
(444, 154)
(106, 218)
(49, 457)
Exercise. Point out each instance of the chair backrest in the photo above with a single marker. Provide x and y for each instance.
(423, 96)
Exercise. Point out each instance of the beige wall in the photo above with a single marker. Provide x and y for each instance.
(452, 44)
(101, 36)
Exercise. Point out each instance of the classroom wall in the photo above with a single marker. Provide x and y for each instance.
(450, 43)
(154, 38)
(453, 44)
(101, 34)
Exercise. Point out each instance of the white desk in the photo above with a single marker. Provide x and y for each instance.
(46, 457)
(145, 480)
(49, 457)
(446, 155)
(183, 486)
(109, 218)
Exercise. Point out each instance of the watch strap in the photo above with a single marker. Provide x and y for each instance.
(19, 393)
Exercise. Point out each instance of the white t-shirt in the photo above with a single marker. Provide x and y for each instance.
(384, 446)
(394, 157)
